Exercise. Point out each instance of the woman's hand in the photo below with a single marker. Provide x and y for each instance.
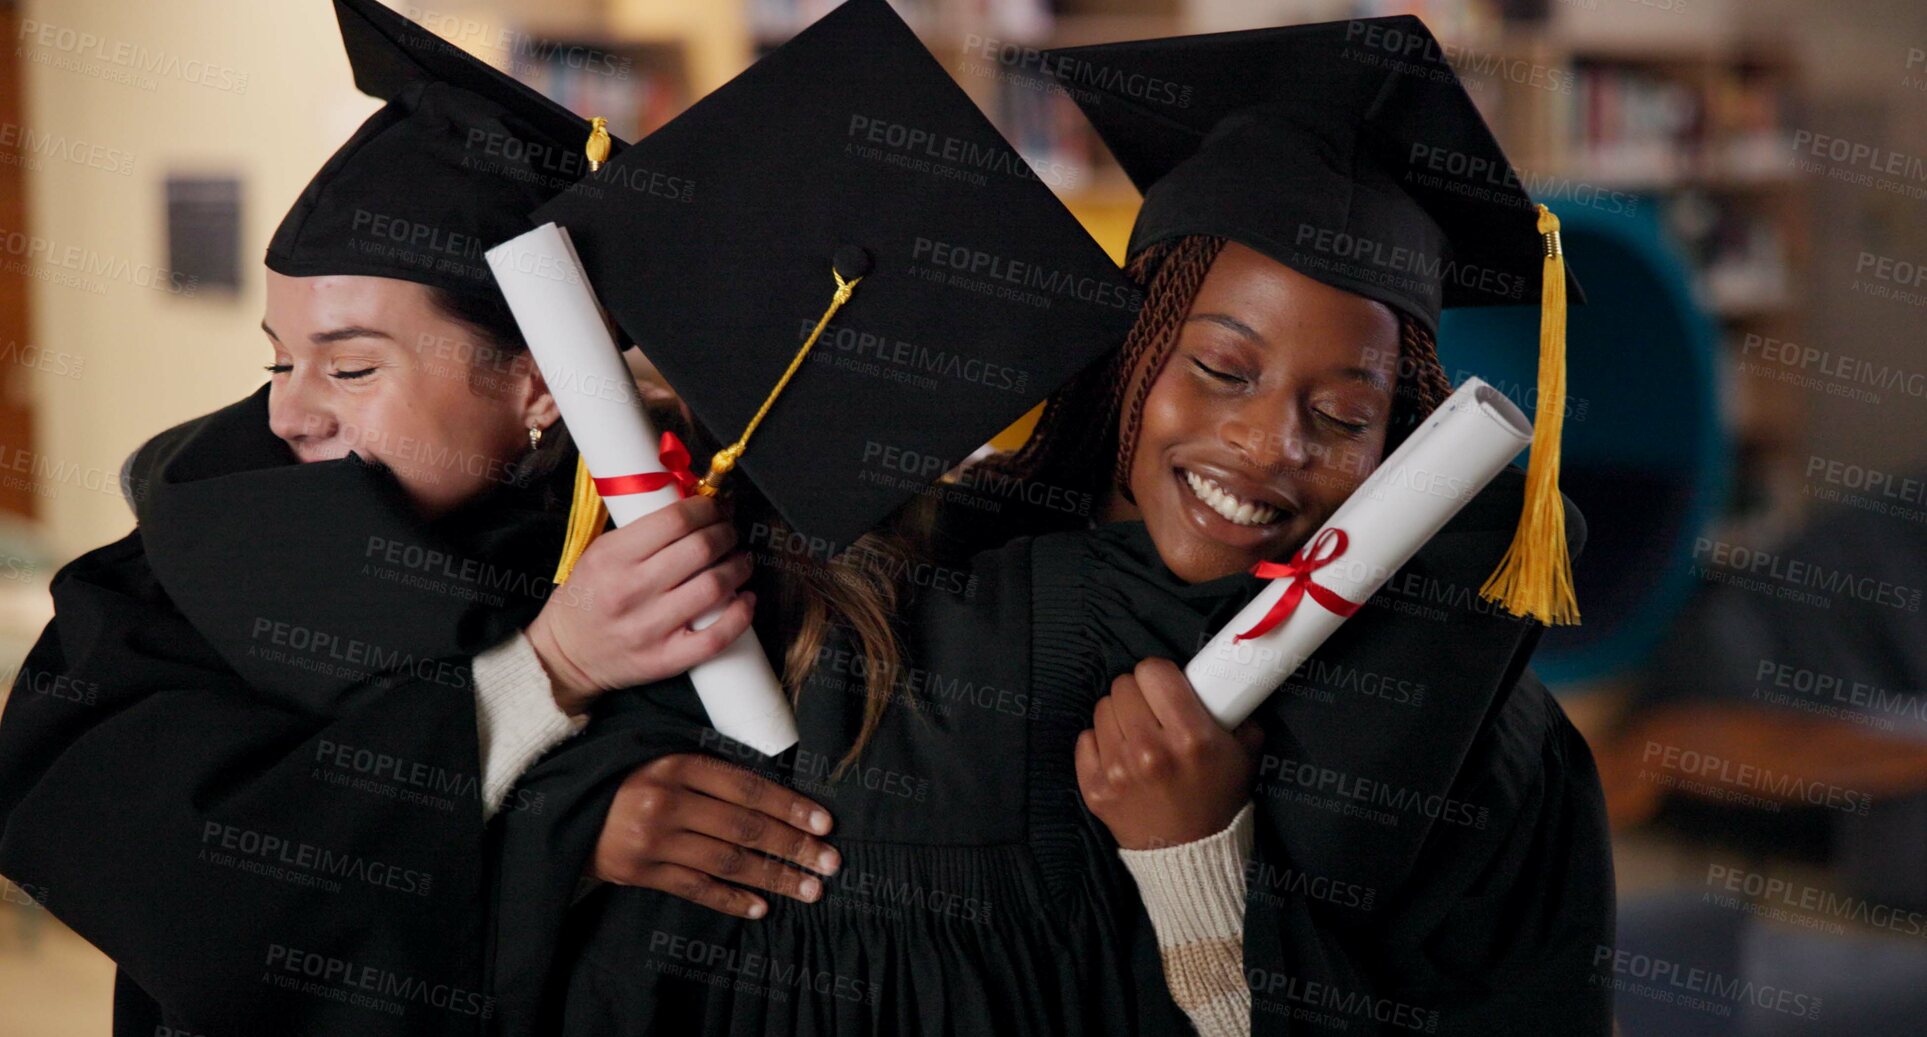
(691, 825)
(632, 595)
(1156, 768)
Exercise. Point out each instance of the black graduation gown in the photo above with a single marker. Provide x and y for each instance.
(1465, 890)
(261, 799)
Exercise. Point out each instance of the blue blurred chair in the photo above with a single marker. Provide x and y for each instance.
(1646, 455)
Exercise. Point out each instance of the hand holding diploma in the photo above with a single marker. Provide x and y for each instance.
(625, 616)
(636, 471)
(1439, 468)
(1156, 768)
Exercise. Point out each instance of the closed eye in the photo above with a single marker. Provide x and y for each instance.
(1223, 376)
(285, 368)
(1351, 427)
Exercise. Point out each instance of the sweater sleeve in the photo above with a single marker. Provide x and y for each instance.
(516, 714)
(1195, 895)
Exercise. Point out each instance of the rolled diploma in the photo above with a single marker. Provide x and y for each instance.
(1440, 467)
(549, 293)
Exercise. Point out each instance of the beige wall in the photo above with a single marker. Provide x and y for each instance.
(152, 358)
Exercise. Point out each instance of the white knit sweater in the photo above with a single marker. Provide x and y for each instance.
(516, 715)
(1195, 895)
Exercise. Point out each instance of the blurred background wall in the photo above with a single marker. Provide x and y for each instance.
(1748, 180)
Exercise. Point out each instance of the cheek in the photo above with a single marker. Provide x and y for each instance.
(1170, 416)
(412, 408)
(1160, 424)
(1345, 468)
(450, 412)
(377, 422)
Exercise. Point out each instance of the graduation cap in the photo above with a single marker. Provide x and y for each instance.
(451, 165)
(1350, 152)
(845, 271)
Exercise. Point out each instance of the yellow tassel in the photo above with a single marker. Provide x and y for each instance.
(597, 148)
(587, 517)
(587, 514)
(724, 460)
(1535, 577)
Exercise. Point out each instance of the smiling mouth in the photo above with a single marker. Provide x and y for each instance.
(1233, 509)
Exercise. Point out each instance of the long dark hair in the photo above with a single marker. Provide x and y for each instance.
(857, 592)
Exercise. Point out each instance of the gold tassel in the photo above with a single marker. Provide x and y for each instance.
(597, 147)
(725, 459)
(587, 514)
(1535, 577)
(587, 518)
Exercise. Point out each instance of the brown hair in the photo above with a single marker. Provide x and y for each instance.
(858, 590)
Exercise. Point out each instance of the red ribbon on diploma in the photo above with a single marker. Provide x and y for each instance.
(1321, 551)
(675, 459)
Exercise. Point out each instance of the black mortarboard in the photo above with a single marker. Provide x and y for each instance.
(449, 167)
(849, 149)
(1350, 152)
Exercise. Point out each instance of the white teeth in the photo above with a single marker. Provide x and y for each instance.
(1234, 510)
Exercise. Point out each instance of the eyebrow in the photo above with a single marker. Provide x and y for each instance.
(1227, 322)
(337, 335)
(1365, 374)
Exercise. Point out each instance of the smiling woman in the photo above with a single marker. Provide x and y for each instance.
(1268, 406)
(382, 368)
(1248, 403)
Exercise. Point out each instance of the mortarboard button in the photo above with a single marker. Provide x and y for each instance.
(851, 262)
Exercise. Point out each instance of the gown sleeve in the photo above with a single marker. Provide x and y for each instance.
(1503, 926)
(252, 862)
(1495, 929)
(543, 851)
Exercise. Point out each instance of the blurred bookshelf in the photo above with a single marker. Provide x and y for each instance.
(1699, 127)
(637, 86)
(1687, 116)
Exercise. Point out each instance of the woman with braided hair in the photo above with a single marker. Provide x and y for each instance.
(1044, 832)
(1409, 836)
(1248, 402)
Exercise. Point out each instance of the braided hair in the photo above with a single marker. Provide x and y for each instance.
(1096, 417)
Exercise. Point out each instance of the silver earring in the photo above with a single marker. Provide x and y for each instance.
(535, 437)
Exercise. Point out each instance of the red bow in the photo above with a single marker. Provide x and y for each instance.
(675, 461)
(1309, 559)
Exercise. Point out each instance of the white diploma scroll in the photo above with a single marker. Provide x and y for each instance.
(549, 293)
(1439, 468)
